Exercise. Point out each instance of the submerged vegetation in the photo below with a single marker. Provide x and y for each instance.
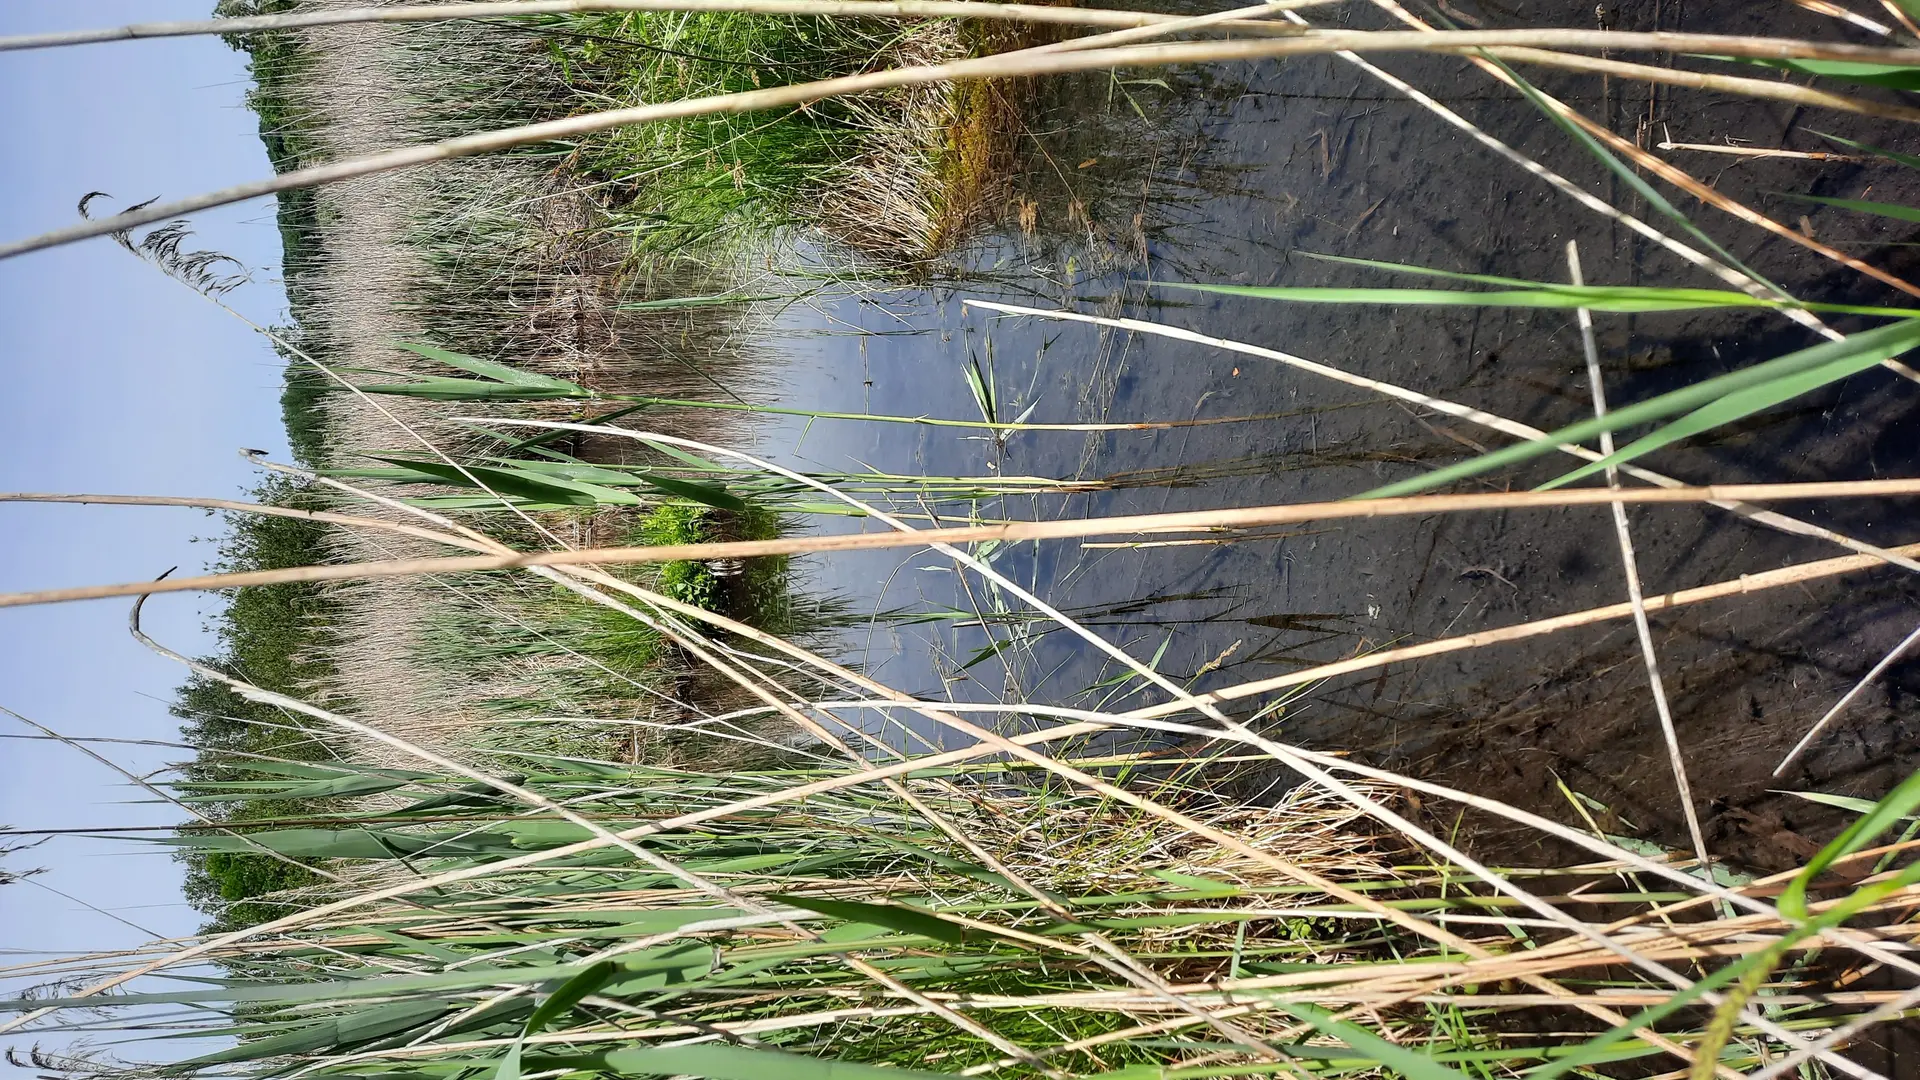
(629, 814)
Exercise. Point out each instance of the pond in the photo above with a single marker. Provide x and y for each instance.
(1240, 177)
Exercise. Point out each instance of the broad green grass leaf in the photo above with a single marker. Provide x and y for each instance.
(675, 964)
(571, 470)
(558, 1004)
(692, 460)
(1523, 293)
(475, 794)
(1891, 155)
(707, 494)
(671, 964)
(347, 843)
(1892, 76)
(713, 1061)
(1843, 802)
(398, 476)
(333, 788)
(898, 917)
(334, 1033)
(1409, 1063)
(980, 385)
(1735, 406)
(1877, 344)
(1862, 206)
(487, 369)
(522, 484)
(556, 434)
(1197, 884)
(1888, 812)
(471, 390)
(1627, 299)
(1422, 271)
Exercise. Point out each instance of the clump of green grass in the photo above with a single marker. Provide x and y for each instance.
(720, 181)
(753, 592)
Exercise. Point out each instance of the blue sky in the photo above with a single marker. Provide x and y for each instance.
(115, 380)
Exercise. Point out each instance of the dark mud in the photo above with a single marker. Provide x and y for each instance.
(1232, 177)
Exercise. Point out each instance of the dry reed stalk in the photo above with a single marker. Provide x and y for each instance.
(1185, 521)
(417, 13)
(1901, 16)
(1741, 586)
(1680, 178)
(1006, 65)
(1558, 998)
(1698, 80)
(1112, 957)
(1771, 519)
(1835, 11)
(1873, 674)
(987, 736)
(1676, 761)
(1760, 152)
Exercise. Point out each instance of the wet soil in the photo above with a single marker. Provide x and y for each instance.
(1234, 176)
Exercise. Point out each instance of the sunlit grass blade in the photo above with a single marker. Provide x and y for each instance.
(897, 917)
(1885, 814)
(677, 963)
(1863, 206)
(1422, 271)
(1734, 406)
(526, 485)
(332, 1034)
(557, 434)
(440, 389)
(499, 372)
(1874, 345)
(1891, 76)
(1408, 1062)
(1625, 299)
(1522, 293)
